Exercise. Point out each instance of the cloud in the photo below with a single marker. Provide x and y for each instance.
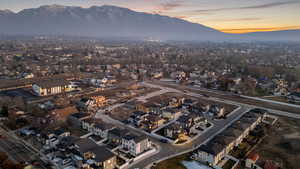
(236, 19)
(245, 30)
(168, 5)
(262, 6)
(181, 17)
(269, 5)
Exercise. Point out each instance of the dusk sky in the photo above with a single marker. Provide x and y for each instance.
(235, 16)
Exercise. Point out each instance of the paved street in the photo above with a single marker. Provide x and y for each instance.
(169, 150)
(280, 109)
(19, 152)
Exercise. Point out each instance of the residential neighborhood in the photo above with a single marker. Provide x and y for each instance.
(147, 105)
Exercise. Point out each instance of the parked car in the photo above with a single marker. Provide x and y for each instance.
(164, 140)
(258, 110)
(205, 95)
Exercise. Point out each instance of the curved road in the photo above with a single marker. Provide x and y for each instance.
(167, 151)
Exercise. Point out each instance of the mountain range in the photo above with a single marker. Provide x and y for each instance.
(112, 21)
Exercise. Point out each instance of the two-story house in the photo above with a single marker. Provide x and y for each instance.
(94, 156)
(135, 144)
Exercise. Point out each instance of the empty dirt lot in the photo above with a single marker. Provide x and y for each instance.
(282, 144)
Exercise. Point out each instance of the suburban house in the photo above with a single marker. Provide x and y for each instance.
(86, 103)
(77, 118)
(152, 122)
(215, 110)
(46, 88)
(186, 121)
(171, 113)
(99, 101)
(135, 144)
(137, 117)
(116, 135)
(52, 139)
(174, 102)
(211, 153)
(95, 156)
(215, 150)
(97, 127)
(251, 162)
(175, 131)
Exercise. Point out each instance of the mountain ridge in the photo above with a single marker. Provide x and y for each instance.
(112, 21)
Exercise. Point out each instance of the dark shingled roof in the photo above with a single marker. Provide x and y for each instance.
(85, 145)
(136, 138)
(184, 119)
(219, 143)
(104, 126)
(174, 126)
(241, 125)
(232, 132)
(223, 140)
(118, 132)
(139, 113)
(212, 148)
(102, 153)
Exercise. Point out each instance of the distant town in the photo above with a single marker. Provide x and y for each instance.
(68, 103)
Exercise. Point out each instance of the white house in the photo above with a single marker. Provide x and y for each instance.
(135, 145)
(46, 88)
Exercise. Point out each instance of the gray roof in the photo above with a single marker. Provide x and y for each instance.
(212, 148)
(104, 126)
(174, 126)
(219, 143)
(232, 132)
(118, 132)
(52, 83)
(223, 140)
(184, 119)
(85, 145)
(135, 137)
(241, 125)
(102, 153)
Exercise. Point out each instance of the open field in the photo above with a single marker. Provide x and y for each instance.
(123, 91)
(120, 113)
(282, 144)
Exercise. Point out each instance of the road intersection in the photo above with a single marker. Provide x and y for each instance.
(169, 150)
